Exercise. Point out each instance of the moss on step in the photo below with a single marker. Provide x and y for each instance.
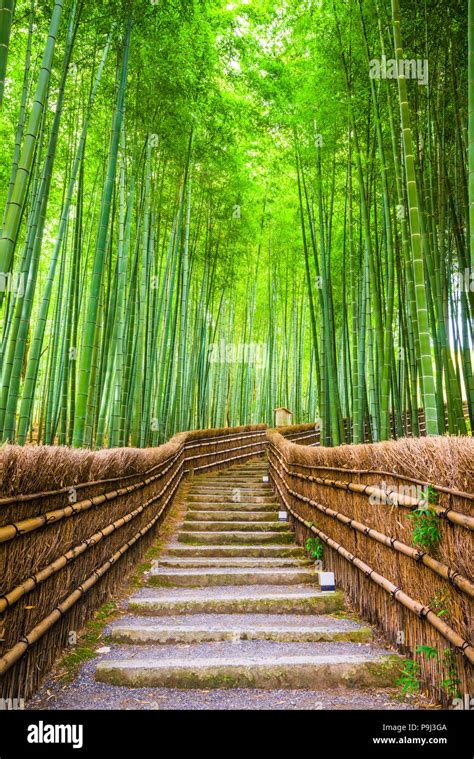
(87, 642)
(311, 673)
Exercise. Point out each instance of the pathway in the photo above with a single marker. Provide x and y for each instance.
(232, 617)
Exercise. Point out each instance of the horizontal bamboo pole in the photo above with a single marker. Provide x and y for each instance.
(17, 499)
(37, 632)
(233, 458)
(423, 612)
(394, 475)
(461, 582)
(9, 599)
(217, 453)
(15, 529)
(462, 520)
(223, 439)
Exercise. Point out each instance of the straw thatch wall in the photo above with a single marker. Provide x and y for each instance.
(72, 525)
(74, 522)
(357, 499)
(309, 434)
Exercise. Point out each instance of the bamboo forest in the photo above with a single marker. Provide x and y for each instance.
(236, 362)
(211, 210)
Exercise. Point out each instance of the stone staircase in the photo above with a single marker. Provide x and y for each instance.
(234, 603)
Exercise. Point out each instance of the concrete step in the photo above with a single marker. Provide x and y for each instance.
(197, 563)
(199, 578)
(229, 487)
(262, 488)
(252, 664)
(253, 472)
(212, 496)
(234, 526)
(236, 481)
(230, 483)
(245, 468)
(238, 537)
(225, 476)
(295, 599)
(233, 551)
(230, 516)
(252, 478)
(229, 507)
(257, 473)
(200, 628)
(233, 477)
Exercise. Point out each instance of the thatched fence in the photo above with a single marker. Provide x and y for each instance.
(357, 500)
(73, 523)
(309, 434)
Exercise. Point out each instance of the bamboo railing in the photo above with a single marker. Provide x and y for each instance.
(64, 550)
(416, 597)
(74, 523)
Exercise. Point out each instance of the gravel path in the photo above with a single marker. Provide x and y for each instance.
(85, 693)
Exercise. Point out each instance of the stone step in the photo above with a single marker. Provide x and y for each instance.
(244, 466)
(256, 461)
(232, 551)
(200, 628)
(212, 496)
(230, 516)
(232, 475)
(228, 507)
(262, 488)
(251, 664)
(228, 487)
(234, 526)
(245, 473)
(199, 578)
(223, 479)
(252, 482)
(233, 494)
(235, 473)
(240, 537)
(197, 563)
(295, 599)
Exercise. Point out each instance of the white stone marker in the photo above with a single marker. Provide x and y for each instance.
(326, 581)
